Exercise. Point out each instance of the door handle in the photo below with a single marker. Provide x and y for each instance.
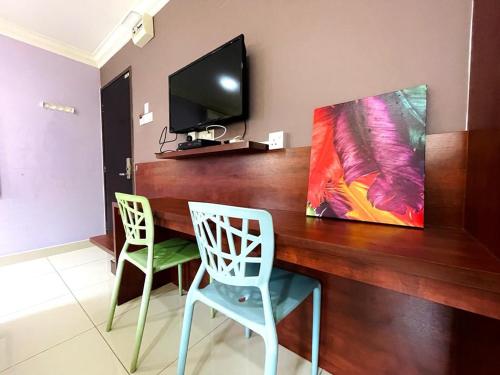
(128, 169)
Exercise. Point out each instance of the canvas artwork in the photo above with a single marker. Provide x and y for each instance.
(368, 159)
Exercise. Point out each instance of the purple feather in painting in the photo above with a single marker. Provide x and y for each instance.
(352, 143)
(399, 184)
(368, 139)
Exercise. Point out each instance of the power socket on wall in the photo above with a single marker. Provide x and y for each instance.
(276, 140)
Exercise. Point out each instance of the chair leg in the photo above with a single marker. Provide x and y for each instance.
(116, 290)
(248, 332)
(271, 341)
(179, 276)
(212, 310)
(142, 319)
(315, 330)
(186, 331)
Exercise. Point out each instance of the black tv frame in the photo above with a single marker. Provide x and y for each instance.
(244, 90)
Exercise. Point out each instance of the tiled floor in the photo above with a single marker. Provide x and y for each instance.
(52, 315)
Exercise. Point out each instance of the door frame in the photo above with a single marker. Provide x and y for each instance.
(116, 78)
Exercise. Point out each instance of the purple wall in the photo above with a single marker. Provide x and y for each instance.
(51, 184)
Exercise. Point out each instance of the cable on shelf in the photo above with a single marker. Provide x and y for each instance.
(163, 140)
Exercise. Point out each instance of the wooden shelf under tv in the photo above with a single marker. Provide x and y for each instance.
(244, 147)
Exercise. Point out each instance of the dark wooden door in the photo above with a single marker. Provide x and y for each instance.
(117, 141)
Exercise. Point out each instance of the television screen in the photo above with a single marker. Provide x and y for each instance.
(211, 90)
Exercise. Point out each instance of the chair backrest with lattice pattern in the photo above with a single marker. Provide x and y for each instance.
(236, 244)
(137, 218)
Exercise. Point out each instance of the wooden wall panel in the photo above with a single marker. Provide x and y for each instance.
(477, 344)
(482, 208)
(278, 179)
(445, 175)
(369, 330)
(275, 179)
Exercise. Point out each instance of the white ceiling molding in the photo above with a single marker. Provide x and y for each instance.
(112, 43)
(44, 42)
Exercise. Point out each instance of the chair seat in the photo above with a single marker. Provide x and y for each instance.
(287, 290)
(167, 254)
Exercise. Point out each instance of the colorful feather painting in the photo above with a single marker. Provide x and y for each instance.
(368, 159)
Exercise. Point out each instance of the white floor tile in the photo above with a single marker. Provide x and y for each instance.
(161, 336)
(78, 257)
(86, 354)
(31, 331)
(88, 274)
(17, 272)
(95, 300)
(30, 291)
(227, 348)
(44, 330)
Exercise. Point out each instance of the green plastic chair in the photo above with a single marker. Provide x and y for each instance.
(137, 219)
(237, 250)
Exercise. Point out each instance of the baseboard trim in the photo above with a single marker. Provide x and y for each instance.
(43, 252)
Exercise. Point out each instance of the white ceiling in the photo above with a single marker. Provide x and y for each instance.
(85, 30)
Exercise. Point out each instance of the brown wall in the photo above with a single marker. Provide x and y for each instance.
(482, 202)
(306, 54)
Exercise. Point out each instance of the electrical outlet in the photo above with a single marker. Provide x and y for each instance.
(207, 134)
(276, 140)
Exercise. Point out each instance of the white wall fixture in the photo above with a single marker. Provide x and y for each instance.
(57, 107)
(146, 117)
(143, 31)
(276, 140)
(206, 134)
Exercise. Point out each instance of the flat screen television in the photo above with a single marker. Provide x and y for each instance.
(210, 90)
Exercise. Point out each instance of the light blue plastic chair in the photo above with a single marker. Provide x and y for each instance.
(237, 250)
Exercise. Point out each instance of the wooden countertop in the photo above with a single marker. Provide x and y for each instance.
(443, 265)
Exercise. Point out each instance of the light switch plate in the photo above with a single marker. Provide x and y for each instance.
(146, 118)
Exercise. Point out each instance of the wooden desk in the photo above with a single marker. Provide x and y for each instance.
(395, 300)
(444, 265)
(386, 329)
